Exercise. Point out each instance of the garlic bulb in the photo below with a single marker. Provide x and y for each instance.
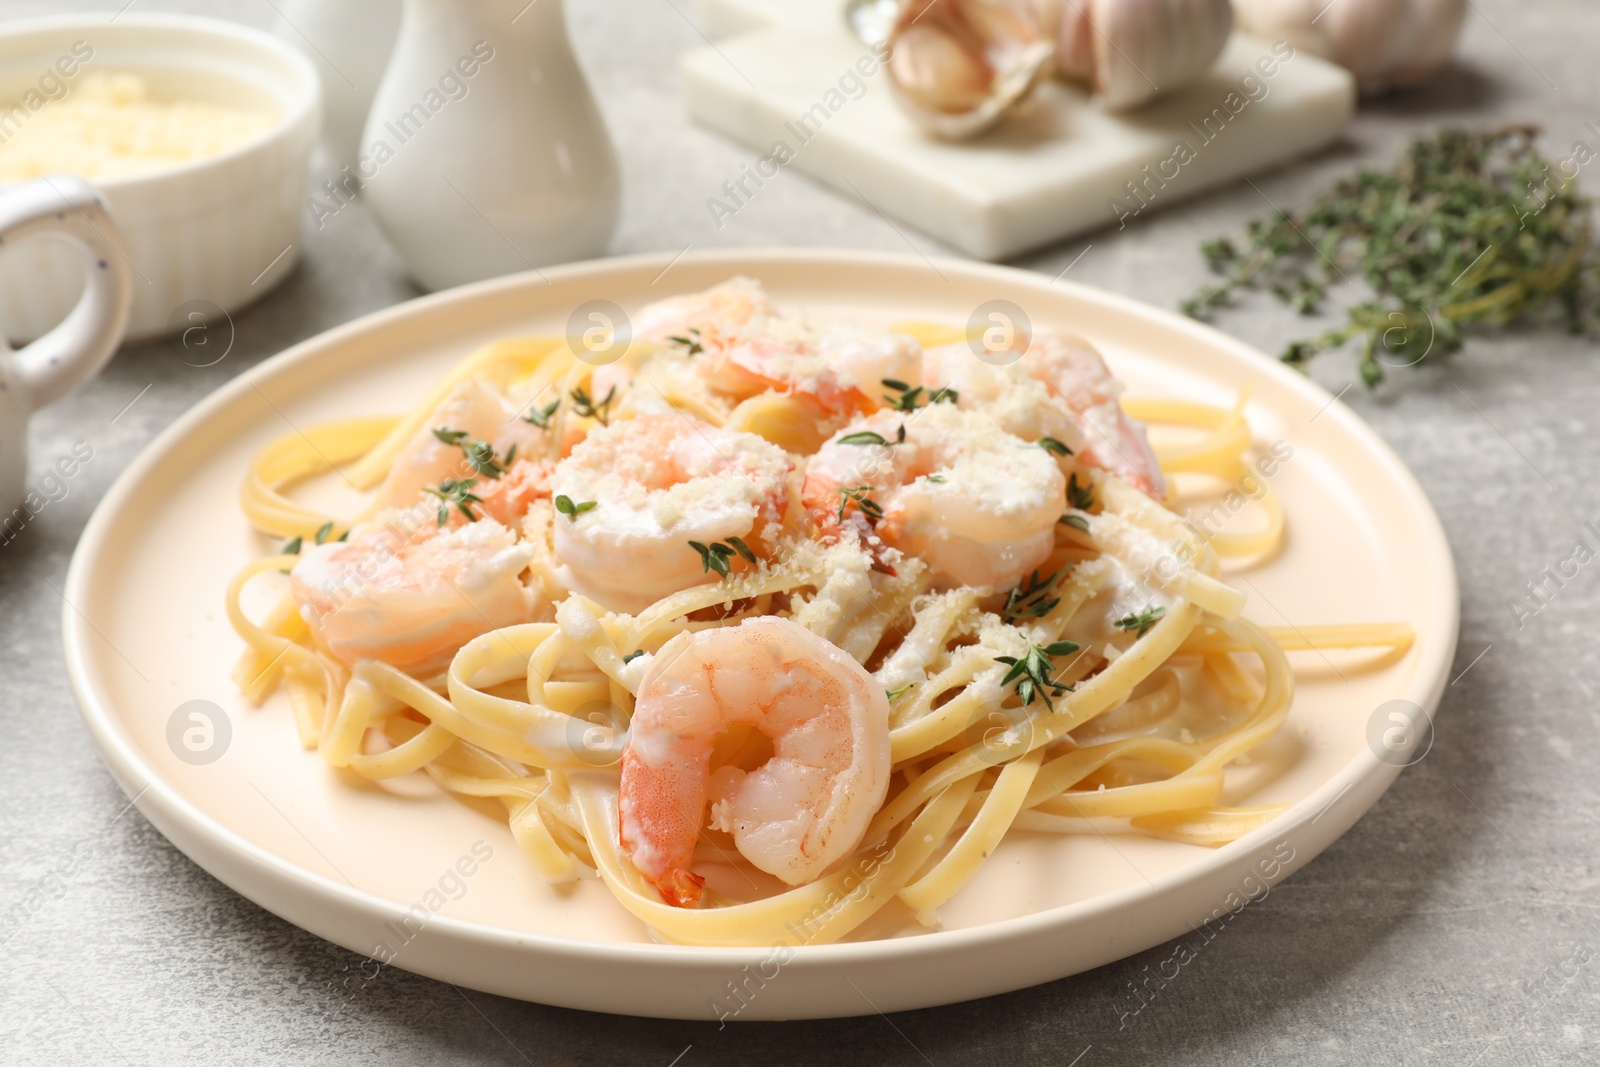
(957, 66)
(1131, 51)
(1384, 43)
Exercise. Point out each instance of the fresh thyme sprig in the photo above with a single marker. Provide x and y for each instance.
(908, 396)
(1468, 230)
(540, 417)
(457, 491)
(1034, 672)
(482, 459)
(480, 455)
(292, 547)
(857, 494)
(716, 555)
(896, 694)
(587, 407)
(1079, 496)
(1032, 599)
(1140, 620)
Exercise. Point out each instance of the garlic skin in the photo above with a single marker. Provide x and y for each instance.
(1131, 51)
(1386, 44)
(958, 66)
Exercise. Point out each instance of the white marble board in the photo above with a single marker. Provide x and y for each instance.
(1064, 168)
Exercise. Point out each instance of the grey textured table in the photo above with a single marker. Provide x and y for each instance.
(1455, 924)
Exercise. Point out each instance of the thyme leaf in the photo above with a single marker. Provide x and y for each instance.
(480, 455)
(457, 491)
(571, 510)
(1034, 672)
(1032, 599)
(864, 437)
(587, 407)
(857, 495)
(1054, 447)
(908, 396)
(1079, 496)
(1140, 621)
(482, 459)
(868, 437)
(692, 342)
(540, 417)
(716, 556)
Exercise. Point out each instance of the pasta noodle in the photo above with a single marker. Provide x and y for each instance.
(536, 714)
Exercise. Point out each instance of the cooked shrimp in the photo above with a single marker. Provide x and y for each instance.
(839, 368)
(506, 499)
(474, 408)
(1007, 393)
(722, 308)
(748, 348)
(799, 812)
(641, 490)
(1074, 371)
(410, 593)
(979, 505)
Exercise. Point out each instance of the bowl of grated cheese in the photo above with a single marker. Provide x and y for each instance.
(198, 135)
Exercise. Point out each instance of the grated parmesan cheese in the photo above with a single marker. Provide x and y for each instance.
(109, 127)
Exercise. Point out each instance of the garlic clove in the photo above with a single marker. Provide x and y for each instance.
(1144, 48)
(958, 66)
(1384, 43)
(1128, 52)
(1075, 37)
(1438, 25)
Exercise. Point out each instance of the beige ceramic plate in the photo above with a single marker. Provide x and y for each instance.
(145, 633)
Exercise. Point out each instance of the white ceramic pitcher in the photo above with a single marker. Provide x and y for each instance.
(484, 153)
(66, 208)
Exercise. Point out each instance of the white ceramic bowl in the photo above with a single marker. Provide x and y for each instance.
(222, 230)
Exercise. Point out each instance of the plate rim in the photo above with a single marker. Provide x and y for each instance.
(122, 757)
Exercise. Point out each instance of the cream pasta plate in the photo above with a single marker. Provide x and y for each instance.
(1296, 510)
